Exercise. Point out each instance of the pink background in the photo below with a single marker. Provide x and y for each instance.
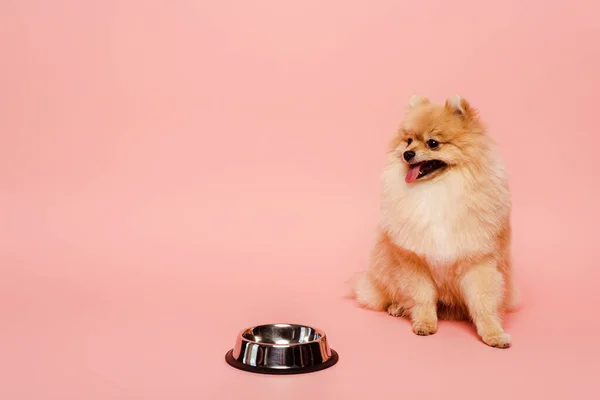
(174, 171)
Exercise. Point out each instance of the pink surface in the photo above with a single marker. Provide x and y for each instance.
(174, 171)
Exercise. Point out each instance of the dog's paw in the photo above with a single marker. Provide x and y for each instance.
(500, 340)
(395, 310)
(423, 328)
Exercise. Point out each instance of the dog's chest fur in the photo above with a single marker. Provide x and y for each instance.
(440, 220)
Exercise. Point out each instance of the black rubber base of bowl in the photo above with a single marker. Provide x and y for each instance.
(276, 371)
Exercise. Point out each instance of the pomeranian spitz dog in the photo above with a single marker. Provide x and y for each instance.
(443, 247)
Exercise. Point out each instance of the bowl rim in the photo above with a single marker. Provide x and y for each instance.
(322, 336)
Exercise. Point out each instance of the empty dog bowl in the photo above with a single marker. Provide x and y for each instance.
(281, 349)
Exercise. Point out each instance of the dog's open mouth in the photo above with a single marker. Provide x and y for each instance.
(419, 170)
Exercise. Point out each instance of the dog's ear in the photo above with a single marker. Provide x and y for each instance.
(461, 107)
(417, 100)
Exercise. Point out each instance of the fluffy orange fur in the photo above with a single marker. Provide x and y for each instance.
(443, 249)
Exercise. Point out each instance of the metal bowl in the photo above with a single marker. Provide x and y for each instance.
(281, 349)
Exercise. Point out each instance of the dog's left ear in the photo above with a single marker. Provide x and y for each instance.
(461, 107)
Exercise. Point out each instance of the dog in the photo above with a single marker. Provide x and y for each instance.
(443, 246)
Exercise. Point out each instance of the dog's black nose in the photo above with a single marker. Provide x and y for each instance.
(409, 155)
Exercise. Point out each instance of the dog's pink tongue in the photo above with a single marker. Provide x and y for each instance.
(413, 173)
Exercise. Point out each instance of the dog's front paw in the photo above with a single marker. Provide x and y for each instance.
(424, 328)
(499, 340)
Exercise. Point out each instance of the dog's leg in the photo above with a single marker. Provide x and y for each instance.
(370, 288)
(419, 287)
(396, 310)
(413, 292)
(483, 288)
(369, 294)
(398, 280)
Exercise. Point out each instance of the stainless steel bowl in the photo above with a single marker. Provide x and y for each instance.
(281, 349)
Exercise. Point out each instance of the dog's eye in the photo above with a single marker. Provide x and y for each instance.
(432, 144)
(409, 141)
